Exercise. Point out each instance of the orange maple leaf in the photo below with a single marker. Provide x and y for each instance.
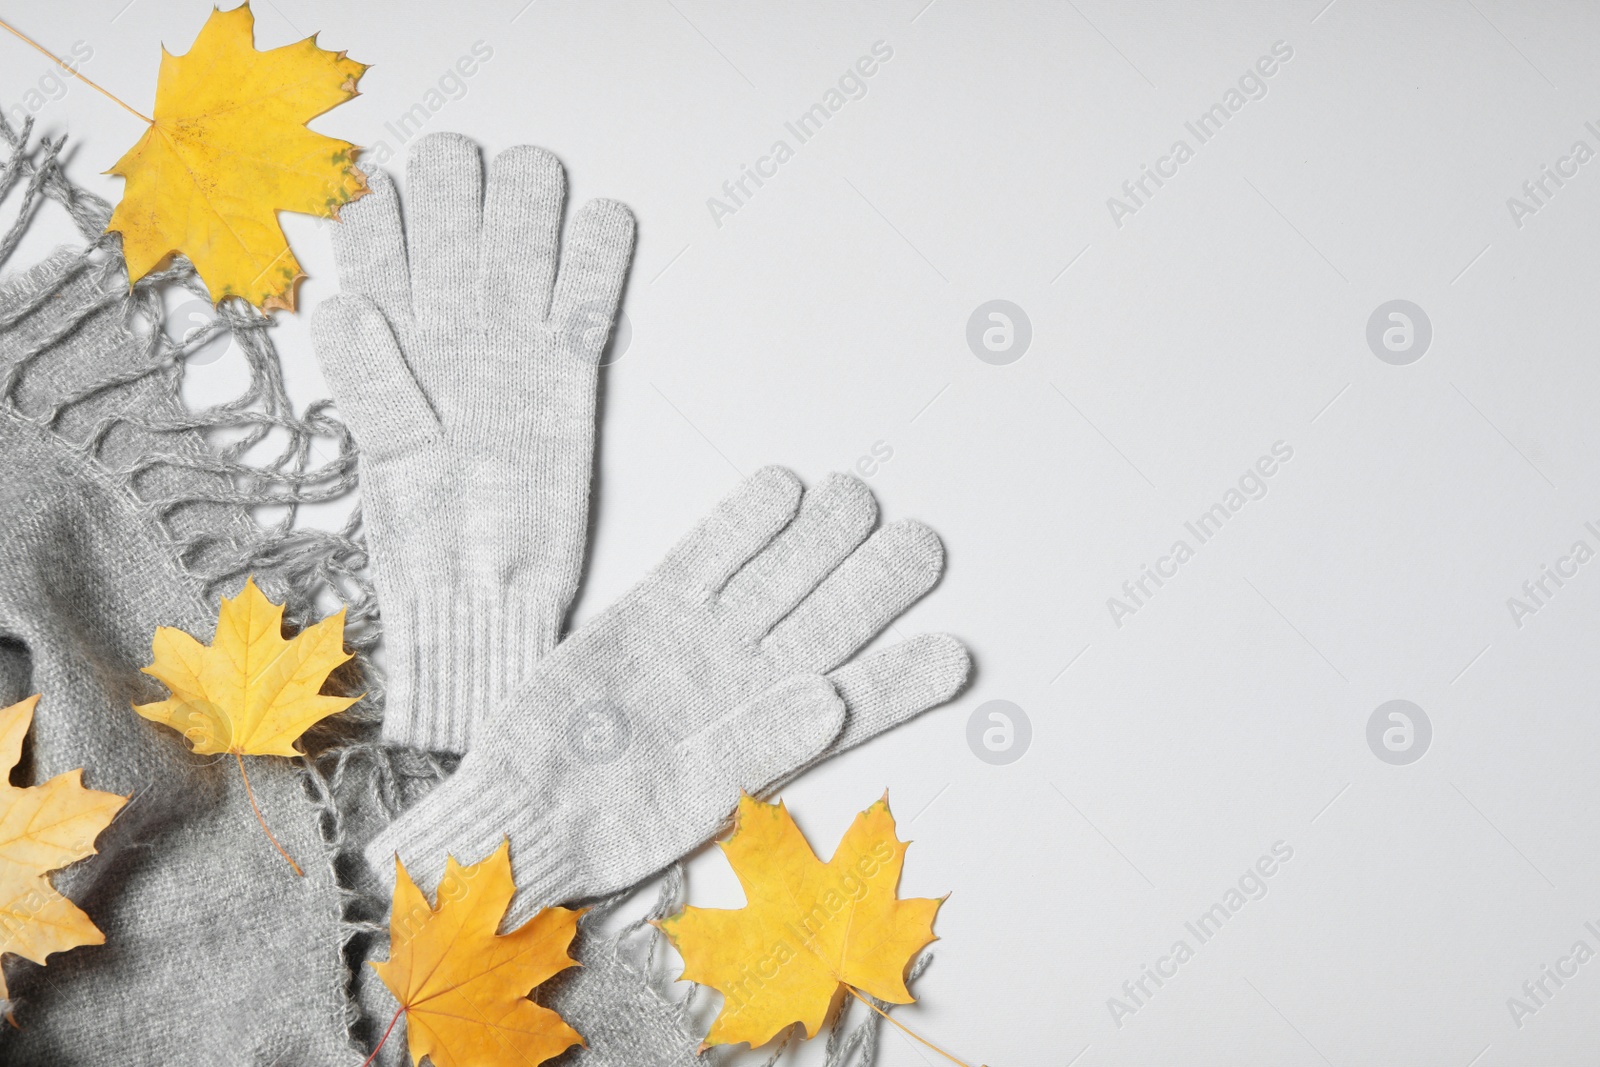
(462, 987)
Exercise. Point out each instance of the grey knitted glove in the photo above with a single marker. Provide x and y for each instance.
(629, 745)
(466, 371)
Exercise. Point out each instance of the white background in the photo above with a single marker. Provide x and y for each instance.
(829, 313)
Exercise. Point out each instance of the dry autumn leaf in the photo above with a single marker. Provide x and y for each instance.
(462, 987)
(809, 930)
(250, 692)
(228, 149)
(41, 829)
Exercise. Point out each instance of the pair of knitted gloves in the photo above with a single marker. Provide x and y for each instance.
(463, 352)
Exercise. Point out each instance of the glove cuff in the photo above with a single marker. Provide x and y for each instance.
(468, 816)
(454, 655)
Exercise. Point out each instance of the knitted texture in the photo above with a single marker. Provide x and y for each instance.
(466, 365)
(613, 999)
(115, 517)
(631, 742)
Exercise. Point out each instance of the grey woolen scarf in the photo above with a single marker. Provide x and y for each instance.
(215, 952)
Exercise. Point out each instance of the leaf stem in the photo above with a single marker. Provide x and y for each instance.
(72, 73)
(255, 808)
(398, 1012)
(903, 1029)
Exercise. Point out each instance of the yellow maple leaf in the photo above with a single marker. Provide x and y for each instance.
(227, 150)
(43, 828)
(809, 930)
(250, 692)
(462, 987)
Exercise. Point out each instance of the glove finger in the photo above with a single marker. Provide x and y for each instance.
(881, 579)
(371, 383)
(522, 232)
(369, 245)
(760, 742)
(834, 518)
(886, 688)
(594, 266)
(743, 523)
(445, 187)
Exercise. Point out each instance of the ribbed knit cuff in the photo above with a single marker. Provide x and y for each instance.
(467, 817)
(454, 655)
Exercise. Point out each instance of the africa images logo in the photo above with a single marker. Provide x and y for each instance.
(1252, 85)
(851, 85)
(1251, 485)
